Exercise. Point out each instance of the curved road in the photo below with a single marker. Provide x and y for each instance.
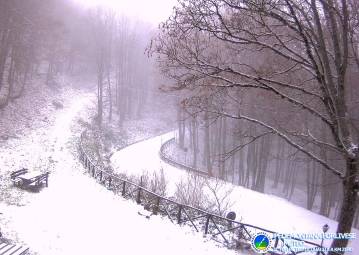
(266, 211)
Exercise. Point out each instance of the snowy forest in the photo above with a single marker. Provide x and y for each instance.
(235, 119)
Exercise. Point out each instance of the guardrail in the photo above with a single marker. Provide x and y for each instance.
(173, 162)
(231, 233)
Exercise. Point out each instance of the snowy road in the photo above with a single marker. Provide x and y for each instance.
(266, 211)
(75, 215)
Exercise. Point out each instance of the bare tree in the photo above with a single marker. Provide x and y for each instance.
(294, 53)
(103, 22)
(30, 32)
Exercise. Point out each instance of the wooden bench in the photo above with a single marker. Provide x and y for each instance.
(12, 249)
(33, 180)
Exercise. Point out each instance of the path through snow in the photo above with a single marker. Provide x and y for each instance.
(75, 215)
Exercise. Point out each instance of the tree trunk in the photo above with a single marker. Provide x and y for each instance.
(311, 181)
(194, 141)
(109, 93)
(279, 163)
(241, 171)
(223, 150)
(100, 92)
(207, 145)
(349, 204)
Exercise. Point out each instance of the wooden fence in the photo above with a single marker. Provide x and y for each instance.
(233, 234)
(173, 162)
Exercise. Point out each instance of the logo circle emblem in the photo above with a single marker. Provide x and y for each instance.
(261, 242)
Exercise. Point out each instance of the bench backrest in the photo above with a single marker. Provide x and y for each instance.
(18, 173)
(39, 177)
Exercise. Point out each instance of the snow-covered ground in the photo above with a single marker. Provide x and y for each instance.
(75, 215)
(78, 216)
(266, 211)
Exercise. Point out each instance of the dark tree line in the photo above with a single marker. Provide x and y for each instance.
(34, 40)
(123, 69)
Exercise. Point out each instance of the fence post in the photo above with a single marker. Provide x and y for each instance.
(157, 206)
(138, 199)
(276, 242)
(179, 214)
(207, 224)
(47, 179)
(124, 188)
(101, 175)
(109, 182)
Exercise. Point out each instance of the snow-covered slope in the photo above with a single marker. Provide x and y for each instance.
(78, 216)
(255, 208)
(75, 215)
